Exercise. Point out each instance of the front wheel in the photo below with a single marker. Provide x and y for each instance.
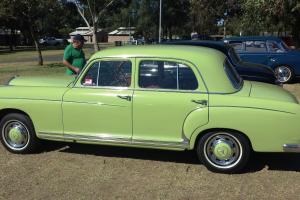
(17, 133)
(284, 74)
(223, 151)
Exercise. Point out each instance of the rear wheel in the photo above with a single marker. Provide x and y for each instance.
(223, 151)
(284, 74)
(17, 133)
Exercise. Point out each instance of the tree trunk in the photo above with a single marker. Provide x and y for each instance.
(37, 46)
(95, 39)
(11, 40)
(170, 33)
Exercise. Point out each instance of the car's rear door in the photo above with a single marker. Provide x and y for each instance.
(99, 106)
(166, 92)
(255, 52)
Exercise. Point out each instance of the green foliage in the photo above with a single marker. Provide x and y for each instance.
(179, 18)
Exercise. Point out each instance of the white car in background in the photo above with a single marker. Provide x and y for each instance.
(51, 41)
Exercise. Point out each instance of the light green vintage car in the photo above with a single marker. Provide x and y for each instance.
(164, 97)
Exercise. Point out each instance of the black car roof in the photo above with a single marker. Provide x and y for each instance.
(219, 45)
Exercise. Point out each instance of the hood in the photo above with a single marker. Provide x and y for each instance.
(42, 81)
(271, 92)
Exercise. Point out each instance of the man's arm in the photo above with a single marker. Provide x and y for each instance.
(71, 67)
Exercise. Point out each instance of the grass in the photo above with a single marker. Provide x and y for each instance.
(30, 57)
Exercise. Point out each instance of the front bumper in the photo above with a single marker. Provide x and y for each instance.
(291, 148)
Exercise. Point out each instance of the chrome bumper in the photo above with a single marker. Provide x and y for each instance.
(292, 148)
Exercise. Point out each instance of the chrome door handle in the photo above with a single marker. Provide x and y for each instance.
(128, 98)
(272, 59)
(202, 102)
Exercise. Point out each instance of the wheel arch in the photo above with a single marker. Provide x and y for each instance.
(7, 111)
(202, 133)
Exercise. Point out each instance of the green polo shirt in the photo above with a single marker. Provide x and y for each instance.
(75, 57)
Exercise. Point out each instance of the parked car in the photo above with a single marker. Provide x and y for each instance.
(51, 41)
(188, 98)
(270, 51)
(247, 70)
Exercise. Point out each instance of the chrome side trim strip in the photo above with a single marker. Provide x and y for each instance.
(291, 148)
(258, 108)
(114, 140)
(180, 145)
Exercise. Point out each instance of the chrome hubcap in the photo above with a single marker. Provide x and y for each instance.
(222, 150)
(15, 135)
(283, 74)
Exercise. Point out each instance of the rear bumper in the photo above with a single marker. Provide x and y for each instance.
(292, 148)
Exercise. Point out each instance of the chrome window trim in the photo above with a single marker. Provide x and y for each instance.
(98, 72)
(169, 90)
(139, 57)
(175, 60)
(150, 57)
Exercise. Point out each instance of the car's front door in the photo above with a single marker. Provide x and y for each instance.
(99, 106)
(166, 93)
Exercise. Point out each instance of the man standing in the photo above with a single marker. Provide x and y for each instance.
(74, 58)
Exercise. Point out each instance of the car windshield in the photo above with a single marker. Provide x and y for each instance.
(234, 56)
(232, 74)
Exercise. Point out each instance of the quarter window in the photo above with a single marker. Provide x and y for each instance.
(91, 77)
(166, 75)
(109, 74)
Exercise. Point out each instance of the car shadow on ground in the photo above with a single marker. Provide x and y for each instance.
(258, 161)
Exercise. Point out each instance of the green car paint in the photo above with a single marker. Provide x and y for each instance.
(60, 81)
(63, 109)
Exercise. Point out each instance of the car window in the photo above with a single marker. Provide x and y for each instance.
(256, 46)
(274, 47)
(187, 78)
(234, 56)
(232, 74)
(237, 45)
(109, 74)
(91, 77)
(166, 75)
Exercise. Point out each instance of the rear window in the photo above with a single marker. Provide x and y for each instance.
(234, 56)
(237, 45)
(232, 74)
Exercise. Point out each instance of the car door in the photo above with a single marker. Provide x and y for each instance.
(166, 92)
(276, 53)
(99, 106)
(255, 52)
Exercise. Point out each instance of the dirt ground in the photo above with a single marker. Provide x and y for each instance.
(99, 172)
(64, 171)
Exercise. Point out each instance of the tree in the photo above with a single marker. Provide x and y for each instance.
(147, 14)
(27, 14)
(95, 11)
